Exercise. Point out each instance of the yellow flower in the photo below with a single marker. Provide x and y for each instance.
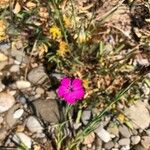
(55, 31)
(121, 117)
(63, 49)
(67, 22)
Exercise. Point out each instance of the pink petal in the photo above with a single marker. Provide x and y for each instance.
(62, 90)
(77, 84)
(78, 94)
(69, 98)
(66, 82)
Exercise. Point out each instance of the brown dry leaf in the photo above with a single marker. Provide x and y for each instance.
(30, 5)
(17, 8)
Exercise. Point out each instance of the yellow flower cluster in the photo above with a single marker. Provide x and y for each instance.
(63, 49)
(55, 31)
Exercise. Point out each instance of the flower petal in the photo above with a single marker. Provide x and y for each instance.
(69, 98)
(78, 94)
(62, 90)
(66, 82)
(77, 84)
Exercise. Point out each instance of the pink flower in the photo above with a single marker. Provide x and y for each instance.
(71, 90)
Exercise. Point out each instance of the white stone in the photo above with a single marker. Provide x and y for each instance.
(21, 84)
(18, 113)
(34, 125)
(135, 139)
(23, 138)
(14, 68)
(6, 101)
(103, 134)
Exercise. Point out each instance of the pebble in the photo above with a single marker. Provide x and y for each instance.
(51, 94)
(3, 57)
(3, 134)
(126, 147)
(23, 138)
(39, 91)
(48, 110)
(135, 139)
(109, 145)
(103, 134)
(86, 116)
(124, 131)
(14, 68)
(21, 84)
(34, 125)
(6, 101)
(134, 112)
(37, 75)
(124, 141)
(18, 113)
(3, 64)
(145, 142)
(12, 119)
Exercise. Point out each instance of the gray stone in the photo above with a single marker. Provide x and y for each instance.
(48, 110)
(37, 75)
(139, 115)
(39, 91)
(127, 147)
(23, 138)
(103, 134)
(34, 125)
(145, 142)
(109, 145)
(124, 141)
(124, 131)
(86, 116)
(135, 139)
(6, 101)
(10, 119)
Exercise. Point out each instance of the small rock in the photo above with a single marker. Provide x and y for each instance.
(134, 112)
(145, 142)
(37, 75)
(3, 57)
(103, 134)
(6, 101)
(34, 125)
(124, 131)
(86, 116)
(124, 141)
(148, 132)
(48, 110)
(18, 113)
(39, 91)
(14, 68)
(135, 139)
(138, 147)
(51, 94)
(89, 139)
(10, 117)
(23, 138)
(109, 145)
(23, 84)
(3, 64)
(127, 147)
